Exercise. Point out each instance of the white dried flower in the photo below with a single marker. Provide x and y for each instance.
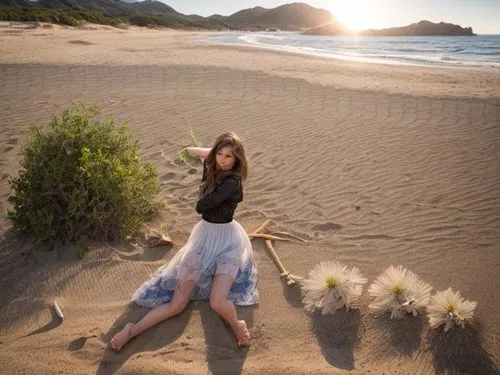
(331, 286)
(450, 309)
(399, 291)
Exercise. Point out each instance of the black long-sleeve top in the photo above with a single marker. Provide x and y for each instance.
(219, 205)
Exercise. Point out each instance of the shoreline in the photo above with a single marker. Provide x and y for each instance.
(350, 59)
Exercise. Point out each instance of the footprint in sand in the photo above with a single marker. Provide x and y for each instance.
(80, 42)
(167, 176)
(329, 225)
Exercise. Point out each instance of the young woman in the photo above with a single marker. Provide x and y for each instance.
(217, 262)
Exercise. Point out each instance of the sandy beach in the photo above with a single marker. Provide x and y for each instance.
(375, 165)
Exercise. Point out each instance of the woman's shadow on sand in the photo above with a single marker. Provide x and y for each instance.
(155, 338)
(223, 355)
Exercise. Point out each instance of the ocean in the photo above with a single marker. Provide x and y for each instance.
(445, 51)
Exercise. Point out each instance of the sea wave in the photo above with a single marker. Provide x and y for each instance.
(435, 51)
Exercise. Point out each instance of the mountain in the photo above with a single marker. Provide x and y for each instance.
(110, 12)
(15, 3)
(155, 7)
(295, 16)
(218, 17)
(246, 16)
(422, 28)
(108, 8)
(159, 8)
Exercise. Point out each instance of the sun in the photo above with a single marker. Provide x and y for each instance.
(356, 14)
(355, 22)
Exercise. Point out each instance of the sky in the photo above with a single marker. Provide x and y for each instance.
(482, 15)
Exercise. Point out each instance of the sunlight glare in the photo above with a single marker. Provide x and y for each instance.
(357, 14)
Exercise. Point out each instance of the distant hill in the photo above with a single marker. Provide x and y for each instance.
(295, 16)
(154, 7)
(246, 17)
(218, 17)
(108, 8)
(15, 3)
(110, 12)
(422, 28)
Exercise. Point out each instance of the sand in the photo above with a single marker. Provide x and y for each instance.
(373, 164)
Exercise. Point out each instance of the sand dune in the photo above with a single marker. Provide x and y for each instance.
(375, 165)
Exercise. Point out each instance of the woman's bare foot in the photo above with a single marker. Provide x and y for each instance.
(241, 333)
(122, 337)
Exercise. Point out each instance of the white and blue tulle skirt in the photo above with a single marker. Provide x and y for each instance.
(211, 249)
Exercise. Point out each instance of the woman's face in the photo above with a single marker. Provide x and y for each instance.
(225, 158)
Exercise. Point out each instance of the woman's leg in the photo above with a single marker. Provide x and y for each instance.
(225, 308)
(180, 300)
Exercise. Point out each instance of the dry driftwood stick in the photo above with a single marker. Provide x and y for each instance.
(292, 236)
(267, 236)
(283, 272)
(259, 233)
(260, 229)
(263, 226)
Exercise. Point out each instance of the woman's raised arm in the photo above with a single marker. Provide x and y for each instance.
(202, 152)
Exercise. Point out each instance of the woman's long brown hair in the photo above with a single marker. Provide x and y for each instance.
(240, 168)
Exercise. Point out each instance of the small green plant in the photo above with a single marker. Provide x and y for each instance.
(184, 154)
(82, 179)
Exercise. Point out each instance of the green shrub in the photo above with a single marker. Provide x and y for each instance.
(82, 179)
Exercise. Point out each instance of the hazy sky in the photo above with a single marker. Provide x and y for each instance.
(482, 15)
